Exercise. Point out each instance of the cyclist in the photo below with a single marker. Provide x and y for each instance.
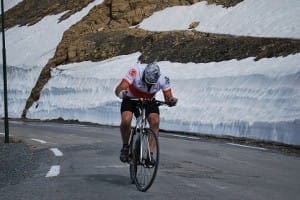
(141, 81)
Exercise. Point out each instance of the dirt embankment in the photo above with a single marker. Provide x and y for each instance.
(105, 32)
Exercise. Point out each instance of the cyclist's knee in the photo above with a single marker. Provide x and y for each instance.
(153, 119)
(125, 123)
(126, 118)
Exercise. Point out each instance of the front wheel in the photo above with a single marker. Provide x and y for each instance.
(146, 159)
(132, 165)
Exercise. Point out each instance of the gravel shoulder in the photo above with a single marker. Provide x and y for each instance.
(17, 162)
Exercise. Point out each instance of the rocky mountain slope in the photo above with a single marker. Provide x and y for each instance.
(110, 29)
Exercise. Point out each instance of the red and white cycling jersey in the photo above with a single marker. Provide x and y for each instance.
(138, 88)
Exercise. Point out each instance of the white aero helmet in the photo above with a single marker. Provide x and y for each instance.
(152, 73)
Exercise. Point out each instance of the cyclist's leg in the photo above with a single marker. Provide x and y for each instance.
(125, 127)
(153, 119)
(125, 134)
(128, 107)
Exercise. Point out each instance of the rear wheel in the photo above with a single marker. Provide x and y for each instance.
(146, 159)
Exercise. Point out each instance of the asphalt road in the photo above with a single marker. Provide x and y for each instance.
(72, 161)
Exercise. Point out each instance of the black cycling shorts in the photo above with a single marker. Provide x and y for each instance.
(129, 105)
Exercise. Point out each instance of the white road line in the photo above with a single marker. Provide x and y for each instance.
(40, 141)
(239, 145)
(56, 152)
(54, 171)
(183, 136)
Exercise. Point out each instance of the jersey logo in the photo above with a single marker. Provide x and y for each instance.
(132, 73)
(167, 80)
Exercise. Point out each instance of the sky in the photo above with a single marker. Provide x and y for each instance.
(245, 98)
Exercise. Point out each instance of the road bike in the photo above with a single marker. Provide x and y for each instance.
(143, 147)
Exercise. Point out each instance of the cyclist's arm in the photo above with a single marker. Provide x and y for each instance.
(123, 85)
(172, 101)
(168, 94)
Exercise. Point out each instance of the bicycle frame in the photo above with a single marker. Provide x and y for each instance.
(141, 124)
(141, 120)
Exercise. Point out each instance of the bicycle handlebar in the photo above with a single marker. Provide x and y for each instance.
(146, 100)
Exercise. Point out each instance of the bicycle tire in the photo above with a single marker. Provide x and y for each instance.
(132, 168)
(145, 173)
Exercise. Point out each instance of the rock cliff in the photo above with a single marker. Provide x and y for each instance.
(111, 29)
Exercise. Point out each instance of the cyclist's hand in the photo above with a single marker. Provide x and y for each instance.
(172, 101)
(122, 94)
